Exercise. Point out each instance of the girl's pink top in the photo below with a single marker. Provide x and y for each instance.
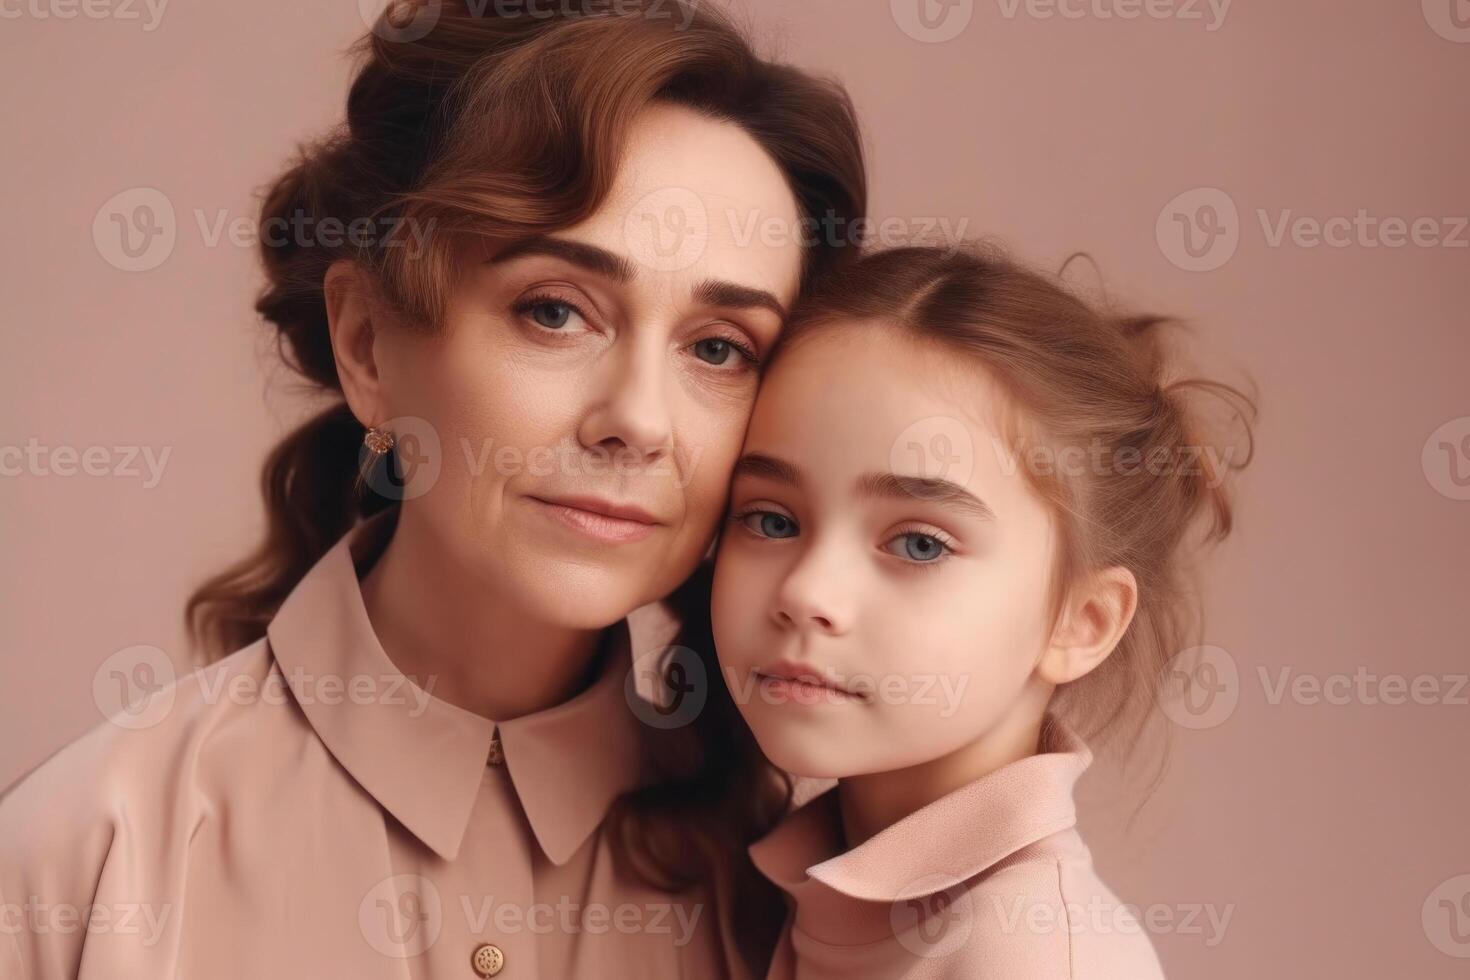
(299, 809)
(991, 880)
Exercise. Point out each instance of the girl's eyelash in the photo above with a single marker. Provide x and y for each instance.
(945, 542)
(739, 517)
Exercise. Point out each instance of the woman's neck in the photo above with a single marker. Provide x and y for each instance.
(874, 801)
(453, 636)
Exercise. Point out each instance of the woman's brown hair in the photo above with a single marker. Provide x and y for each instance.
(495, 125)
(1155, 487)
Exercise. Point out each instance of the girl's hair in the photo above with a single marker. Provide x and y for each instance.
(494, 125)
(1142, 488)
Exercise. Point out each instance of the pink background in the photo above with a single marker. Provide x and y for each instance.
(1322, 829)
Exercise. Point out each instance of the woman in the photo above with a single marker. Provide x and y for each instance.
(418, 758)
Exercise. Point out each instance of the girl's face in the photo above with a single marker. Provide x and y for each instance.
(610, 366)
(881, 542)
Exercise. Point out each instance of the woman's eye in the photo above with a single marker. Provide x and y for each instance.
(553, 316)
(723, 352)
(919, 547)
(550, 313)
(769, 524)
(714, 350)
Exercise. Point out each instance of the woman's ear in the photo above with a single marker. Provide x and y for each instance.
(1096, 615)
(348, 293)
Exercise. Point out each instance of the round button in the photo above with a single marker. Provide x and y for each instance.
(487, 959)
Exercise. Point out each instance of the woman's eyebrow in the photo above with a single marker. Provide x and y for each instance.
(597, 260)
(717, 292)
(621, 270)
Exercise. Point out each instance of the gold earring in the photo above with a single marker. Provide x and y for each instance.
(378, 441)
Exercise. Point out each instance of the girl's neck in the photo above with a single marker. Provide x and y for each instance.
(875, 801)
(453, 636)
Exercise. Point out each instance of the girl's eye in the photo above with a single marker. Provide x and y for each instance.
(724, 352)
(916, 546)
(768, 524)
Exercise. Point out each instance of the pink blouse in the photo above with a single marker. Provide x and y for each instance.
(991, 880)
(300, 809)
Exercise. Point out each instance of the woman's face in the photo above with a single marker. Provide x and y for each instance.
(882, 544)
(611, 366)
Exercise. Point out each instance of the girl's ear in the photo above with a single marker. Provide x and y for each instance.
(1094, 619)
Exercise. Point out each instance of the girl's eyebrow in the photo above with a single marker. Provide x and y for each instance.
(932, 488)
(768, 467)
(886, 485)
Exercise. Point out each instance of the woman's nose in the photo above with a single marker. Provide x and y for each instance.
(629, 407)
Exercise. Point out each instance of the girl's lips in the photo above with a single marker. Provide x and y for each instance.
(598, 526)
(802, 684)
(788, 690)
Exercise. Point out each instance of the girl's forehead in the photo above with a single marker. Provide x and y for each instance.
(874, 374)
(873, 396)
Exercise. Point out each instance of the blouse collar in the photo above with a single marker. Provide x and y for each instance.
(423, 758)
(940, 845)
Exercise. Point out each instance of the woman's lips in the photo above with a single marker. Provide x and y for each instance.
(599, 520)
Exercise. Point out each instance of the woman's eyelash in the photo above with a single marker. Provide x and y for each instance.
(524, 306)
(741, 347)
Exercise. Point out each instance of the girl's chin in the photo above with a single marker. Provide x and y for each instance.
(809, 758)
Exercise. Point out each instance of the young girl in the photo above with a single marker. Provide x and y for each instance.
(955, 543)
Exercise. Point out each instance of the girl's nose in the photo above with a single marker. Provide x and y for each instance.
(815, 597)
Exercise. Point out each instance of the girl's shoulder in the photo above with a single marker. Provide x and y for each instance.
(1046, 912)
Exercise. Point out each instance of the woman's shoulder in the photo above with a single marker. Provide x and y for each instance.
(128, 767)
